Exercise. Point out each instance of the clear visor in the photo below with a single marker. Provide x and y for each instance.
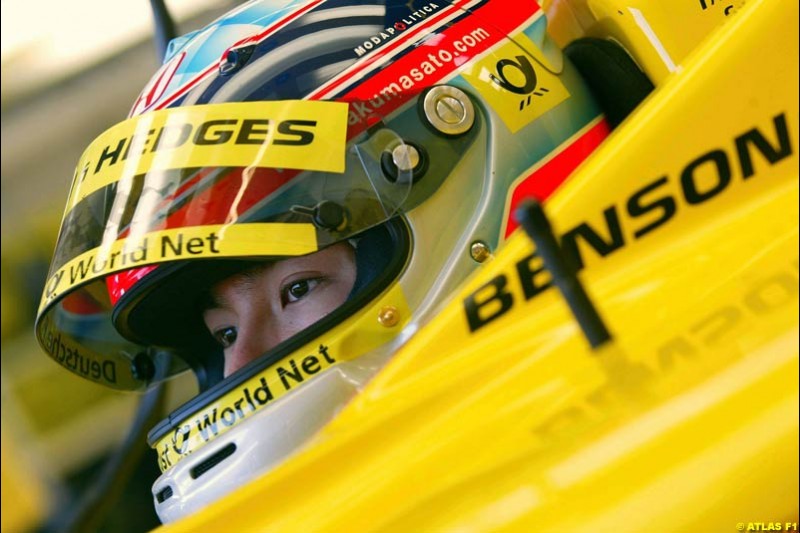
(239, 180)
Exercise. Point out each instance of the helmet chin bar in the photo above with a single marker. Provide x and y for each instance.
(262, 442)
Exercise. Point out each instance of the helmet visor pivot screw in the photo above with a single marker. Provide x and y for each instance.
(449, 110)
(405, 157)
(405, 162)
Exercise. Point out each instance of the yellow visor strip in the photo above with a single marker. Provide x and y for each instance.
(237, 240)
(295, 134)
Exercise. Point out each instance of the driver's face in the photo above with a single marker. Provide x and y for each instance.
(253, 311)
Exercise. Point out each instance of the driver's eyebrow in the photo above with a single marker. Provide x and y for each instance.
(243, 282)
(209, 301)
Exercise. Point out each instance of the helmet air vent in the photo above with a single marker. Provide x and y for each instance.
(207, 464)
(164, 494)
(235, 59)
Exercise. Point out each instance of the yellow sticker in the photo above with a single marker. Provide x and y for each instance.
(296, 134)
(237, 240)
(516, 84)
(244, 401)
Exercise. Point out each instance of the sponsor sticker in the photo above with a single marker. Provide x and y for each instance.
(516, 84)
(261, 390)
(238, 240)
(296, 134)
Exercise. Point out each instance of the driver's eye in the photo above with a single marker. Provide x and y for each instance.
(226, 336)
(296, 290)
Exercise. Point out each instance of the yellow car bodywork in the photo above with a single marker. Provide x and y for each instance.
(686, 222)
(498, 416)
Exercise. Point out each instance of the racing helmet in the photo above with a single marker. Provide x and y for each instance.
(406, 131)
